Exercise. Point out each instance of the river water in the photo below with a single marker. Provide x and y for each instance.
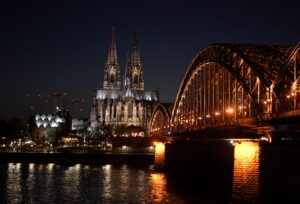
(255, 179)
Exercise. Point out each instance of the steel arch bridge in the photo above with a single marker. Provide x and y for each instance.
(236, 84)
(160, 119)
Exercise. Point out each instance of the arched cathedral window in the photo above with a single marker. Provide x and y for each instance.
(130, 110)
(112, 78)
(135, 79)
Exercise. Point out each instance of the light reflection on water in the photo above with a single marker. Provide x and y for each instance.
(52, 183)
(158, 186)
(246, 171)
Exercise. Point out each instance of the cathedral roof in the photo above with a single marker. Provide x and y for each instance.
(121, 94)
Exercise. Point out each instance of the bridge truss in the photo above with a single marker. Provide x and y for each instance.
(236, 83)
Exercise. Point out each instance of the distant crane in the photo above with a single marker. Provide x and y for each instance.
(73, 101)
(46, 98)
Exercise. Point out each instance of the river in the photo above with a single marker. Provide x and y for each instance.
(255, 179)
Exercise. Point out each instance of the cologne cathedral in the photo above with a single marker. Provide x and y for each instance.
(126, 103)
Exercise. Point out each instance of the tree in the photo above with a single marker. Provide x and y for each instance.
(52, 134)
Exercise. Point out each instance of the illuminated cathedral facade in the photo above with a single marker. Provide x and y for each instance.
(123, 102)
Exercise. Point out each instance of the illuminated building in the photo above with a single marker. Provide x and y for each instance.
(124, 103)
(40, 122)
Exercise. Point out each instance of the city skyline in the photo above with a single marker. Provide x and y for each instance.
(55, 46)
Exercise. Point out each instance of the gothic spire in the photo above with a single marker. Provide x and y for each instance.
(112, 79)
(112, 53)
(127, 73)
(135, 52)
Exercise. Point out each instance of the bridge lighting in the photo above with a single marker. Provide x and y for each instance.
(229, 110)
(208, 116)
(159, 147)
(217, 113)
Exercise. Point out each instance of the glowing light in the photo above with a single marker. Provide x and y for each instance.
(159, 154)
(77, 166)
(107, 168)
(217, 113)
(229, 110)
(59, 120)
(200, 118)
(158, 183)
(43, 117)
(49, 117)
(37, 116)
(50, 166)
(45, 123)
(208, 116)
(246, 170)
(53, 124)
(267, 138)
(288, 96)
(28, 142)
(31, 166)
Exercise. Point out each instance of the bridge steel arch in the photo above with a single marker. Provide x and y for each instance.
(231, 83)
(160, 119)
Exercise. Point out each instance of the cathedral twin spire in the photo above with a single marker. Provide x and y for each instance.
(112, 53)
(112, 78)
(134, 78)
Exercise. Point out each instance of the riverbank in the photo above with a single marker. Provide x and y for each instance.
(78, 158)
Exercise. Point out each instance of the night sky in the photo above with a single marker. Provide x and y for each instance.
(61, 46)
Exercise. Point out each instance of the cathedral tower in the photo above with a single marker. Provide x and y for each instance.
(134, 76)
(112, 79)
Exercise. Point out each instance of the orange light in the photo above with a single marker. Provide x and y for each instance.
(229, 110)
(217, 113)
(159, 147)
